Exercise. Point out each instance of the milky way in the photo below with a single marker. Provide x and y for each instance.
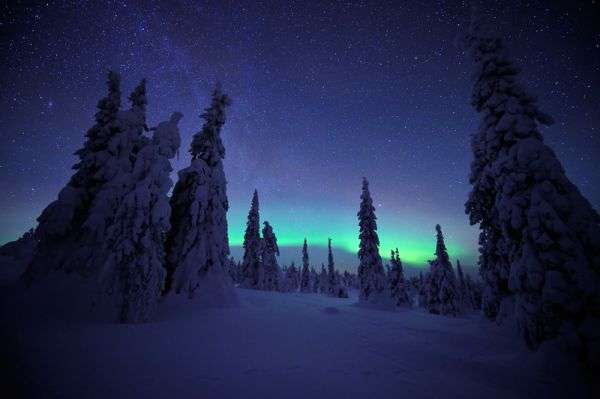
(323, 94)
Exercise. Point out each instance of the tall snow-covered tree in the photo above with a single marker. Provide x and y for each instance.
(251, 264)
(371, 276)
(197, 245)
(331, 283)
(397, 284)
(89, 254)
(461, 286)
(305, 277)
(441, 296)
(59, 230)
(540, 238)
(270, 252)
(134, 242)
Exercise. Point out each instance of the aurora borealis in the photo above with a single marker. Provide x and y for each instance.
(411, 234)
(323, 94)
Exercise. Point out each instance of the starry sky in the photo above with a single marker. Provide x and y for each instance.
(323, 93)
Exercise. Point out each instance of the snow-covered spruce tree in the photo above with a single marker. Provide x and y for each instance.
(540, 236)
(305, 277)
(441, 296)
(314, 280)
(60, 223)
(347, 279)
(251, 264)
(197, 245)
(331, 283)
(423, 286)
(371, 276)
(341, 290)
(323, 280)
(292, 278)
(270, 252)
(461, 286)
(397, 284)
(473, 289)
(92, 254)
(134, 242)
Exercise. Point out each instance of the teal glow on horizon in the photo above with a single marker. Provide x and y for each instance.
(414, 236)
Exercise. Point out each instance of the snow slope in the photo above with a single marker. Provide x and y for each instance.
(272, 345)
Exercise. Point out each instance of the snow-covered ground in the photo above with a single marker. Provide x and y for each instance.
(270, 346)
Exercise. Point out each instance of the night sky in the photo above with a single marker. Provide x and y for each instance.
(323, 93)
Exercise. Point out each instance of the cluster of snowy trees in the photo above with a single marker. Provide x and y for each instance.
(113, 222)
(539, 237)
(260, 269)
(440, 291)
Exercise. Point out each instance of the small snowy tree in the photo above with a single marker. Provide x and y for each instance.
(540, 237)
(314, 280)
(270, 252)
(323, 280)
(197, 245)
(441, 296)
(371, 276)
(251, 265)
(397, 284)
(305, 278)
(340, 290)
(292, 279)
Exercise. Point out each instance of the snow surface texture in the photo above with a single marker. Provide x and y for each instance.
(273, 345)
(540, 238)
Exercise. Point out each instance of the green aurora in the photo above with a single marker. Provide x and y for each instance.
(413, 235)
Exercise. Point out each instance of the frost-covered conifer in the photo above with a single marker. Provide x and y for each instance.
(331, 283)
(397, 284)
(90, 254)
(347, 278)
(292, 278)
(371, 276)
(540, 238)
(441, 296)
(197, 245)
(323, 280)
(473, 289)
(134, 242)
(314, 280)
(252, 265)
(270, 252)
(305, 278)
(58, 233)
(340, 290)
(461, 286)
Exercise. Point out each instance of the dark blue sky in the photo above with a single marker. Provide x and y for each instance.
(323, 94)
